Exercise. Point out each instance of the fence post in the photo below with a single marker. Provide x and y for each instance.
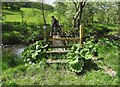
(81, 34)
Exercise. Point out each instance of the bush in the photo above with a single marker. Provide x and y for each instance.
(12, 37)
(10, 26)
(10, 84)
(15, 7)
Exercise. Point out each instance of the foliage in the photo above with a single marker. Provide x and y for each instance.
(10, 84)
(15, 7)
(74, 59)
(9, 60)
(38, 5)
(22, 74)
(35, 52)
(6, 59)
(35, 36)
(109, 43)
(60, 7)
(18, 5)
(15, 74)
(107, 46)
(12, 37)
(78, 55)
(22, 33)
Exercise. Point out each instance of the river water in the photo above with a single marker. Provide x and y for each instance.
(16, 49)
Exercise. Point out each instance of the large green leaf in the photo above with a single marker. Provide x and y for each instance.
(76, 65)
(34, 52)
(78, 54)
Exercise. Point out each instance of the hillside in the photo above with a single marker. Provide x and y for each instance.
(31, 15)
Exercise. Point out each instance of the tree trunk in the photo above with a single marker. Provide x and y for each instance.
(43, 14)
(80, 14)
(74, 23)
(79, 10)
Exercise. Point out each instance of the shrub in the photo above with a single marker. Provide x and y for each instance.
(12, 37)
(15, 7)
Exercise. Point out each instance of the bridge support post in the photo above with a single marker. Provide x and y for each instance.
(81, 34)
(45, 35)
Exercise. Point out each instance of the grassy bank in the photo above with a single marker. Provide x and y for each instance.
(20, 73)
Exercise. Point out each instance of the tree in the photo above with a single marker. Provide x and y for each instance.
(43, 14)
(60, 7)
(79, 10)
(14, 5)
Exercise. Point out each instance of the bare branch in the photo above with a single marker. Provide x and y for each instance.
(75, 5)
(84, 2)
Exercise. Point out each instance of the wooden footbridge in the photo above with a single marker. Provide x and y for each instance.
(61, 45)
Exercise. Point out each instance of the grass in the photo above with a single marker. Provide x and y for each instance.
(30, 76)
(23, 74)
(13, 22)
(9, 60)
(29, 31)
(31, 15)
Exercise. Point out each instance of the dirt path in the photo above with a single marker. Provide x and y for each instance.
(109, 71)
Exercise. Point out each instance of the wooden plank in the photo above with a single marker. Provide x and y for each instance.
(58, 51)
(81, 34)
(59, 46)
(56, 61)
(74, 39)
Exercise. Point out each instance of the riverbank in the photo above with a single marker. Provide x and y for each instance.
(16, 49)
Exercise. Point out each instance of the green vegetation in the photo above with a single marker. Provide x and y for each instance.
(79, 55)
(22, 26)
(31, 15)
(22, 74)
(35, 52)
(93, 63)
(16, 72)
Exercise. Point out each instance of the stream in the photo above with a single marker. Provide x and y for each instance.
(15, 49)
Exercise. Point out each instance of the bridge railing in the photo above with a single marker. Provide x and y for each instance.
(68, 42)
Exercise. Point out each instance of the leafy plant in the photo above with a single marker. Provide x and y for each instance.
(74, 59)
(78, 54)
(12, 37)
(35, 52)
(10, 84)
(107, 42)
